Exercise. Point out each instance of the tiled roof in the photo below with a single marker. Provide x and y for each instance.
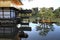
(16, 2)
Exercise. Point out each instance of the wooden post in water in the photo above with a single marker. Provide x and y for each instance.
(17, 37)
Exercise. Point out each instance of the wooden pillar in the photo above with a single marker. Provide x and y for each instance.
(17, 37)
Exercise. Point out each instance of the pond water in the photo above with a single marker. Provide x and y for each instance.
(43, 31)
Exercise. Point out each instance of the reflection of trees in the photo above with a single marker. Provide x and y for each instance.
(45, 28)
(58, 23)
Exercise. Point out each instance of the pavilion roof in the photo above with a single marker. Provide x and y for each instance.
(16, 2)
(8, 3)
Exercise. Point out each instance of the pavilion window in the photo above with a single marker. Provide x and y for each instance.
(7, 13)
(1, 13)
(12, 14)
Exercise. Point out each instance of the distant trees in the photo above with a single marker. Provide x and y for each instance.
(57, 12)
(46, 13)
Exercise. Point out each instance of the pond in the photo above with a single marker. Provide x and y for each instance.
(43, 31)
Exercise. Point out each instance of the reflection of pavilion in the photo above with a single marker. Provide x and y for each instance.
(45, 28)
(9, 19)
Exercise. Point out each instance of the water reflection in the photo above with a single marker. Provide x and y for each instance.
(44, 28)
(57, 23)
(43, 31)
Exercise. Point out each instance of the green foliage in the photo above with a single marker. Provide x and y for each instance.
(46, 13)
(49, 14)
(57, 12)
